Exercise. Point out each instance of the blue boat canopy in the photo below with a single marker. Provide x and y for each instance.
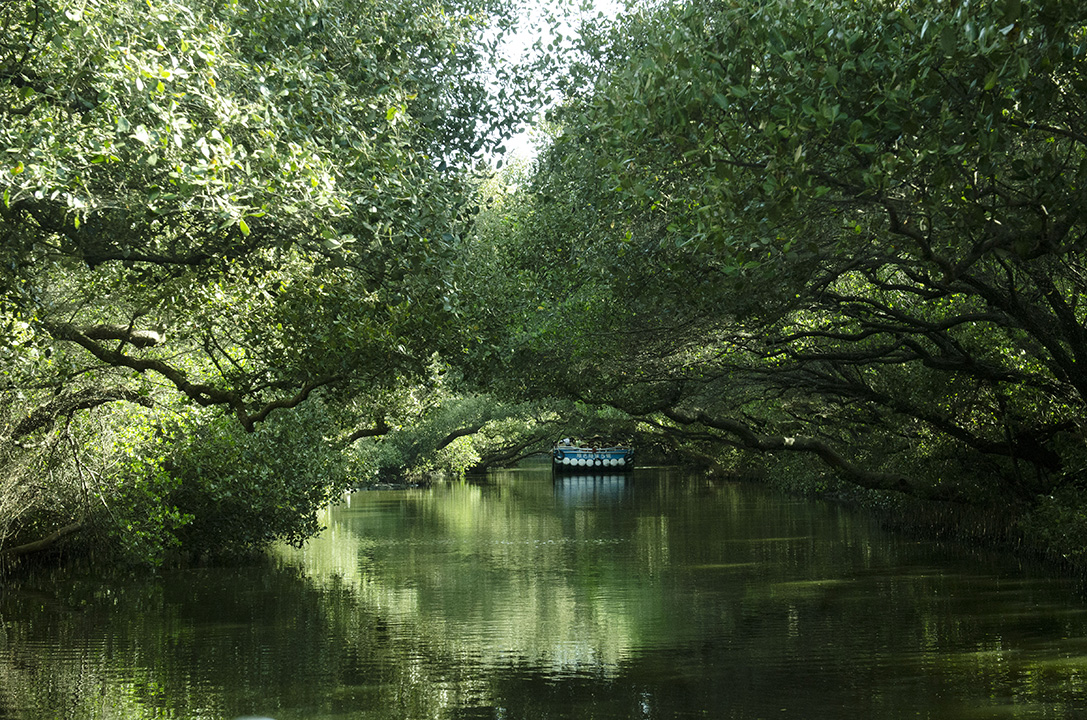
(570, 455)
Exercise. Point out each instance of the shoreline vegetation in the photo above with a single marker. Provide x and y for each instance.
(977, 529)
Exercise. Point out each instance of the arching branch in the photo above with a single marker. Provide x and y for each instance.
(200, 393)
(459, 433)
(381, 428)
(66, 404)
(749, 439)
(44, 544)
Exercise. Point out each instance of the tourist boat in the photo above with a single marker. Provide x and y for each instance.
(593, 456)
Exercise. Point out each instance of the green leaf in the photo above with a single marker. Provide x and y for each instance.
(142, 135)
(947, 40)
(1012, 11)
(243, 226)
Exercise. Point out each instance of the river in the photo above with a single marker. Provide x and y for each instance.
(655, 595)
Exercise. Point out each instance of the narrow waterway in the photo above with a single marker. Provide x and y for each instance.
(654, 595)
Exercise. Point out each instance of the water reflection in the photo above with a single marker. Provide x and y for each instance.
(656, 596)
(593, 488)
(466, 567)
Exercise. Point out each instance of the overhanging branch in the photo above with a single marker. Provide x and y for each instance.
(380, 428)
(44, 544)
(65, 405)
(202, 394)
(748, 439)
(459, 433)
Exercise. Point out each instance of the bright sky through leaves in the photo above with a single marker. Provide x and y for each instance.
(542, 23)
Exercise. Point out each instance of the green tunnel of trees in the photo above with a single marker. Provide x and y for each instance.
(252, 255)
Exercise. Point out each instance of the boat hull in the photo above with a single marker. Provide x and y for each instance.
(572, 459)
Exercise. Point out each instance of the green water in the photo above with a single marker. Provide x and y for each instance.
(654, 596)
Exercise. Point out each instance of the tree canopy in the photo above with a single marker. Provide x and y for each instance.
(845, 231)
(267, 183)
(232, 205)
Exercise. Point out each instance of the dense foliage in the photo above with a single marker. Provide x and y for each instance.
(851, 230)
(221, 212)
(843, 237)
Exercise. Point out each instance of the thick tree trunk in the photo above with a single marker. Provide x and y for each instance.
(44, 544)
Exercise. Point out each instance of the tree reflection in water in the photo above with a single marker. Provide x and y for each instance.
(652, 596)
